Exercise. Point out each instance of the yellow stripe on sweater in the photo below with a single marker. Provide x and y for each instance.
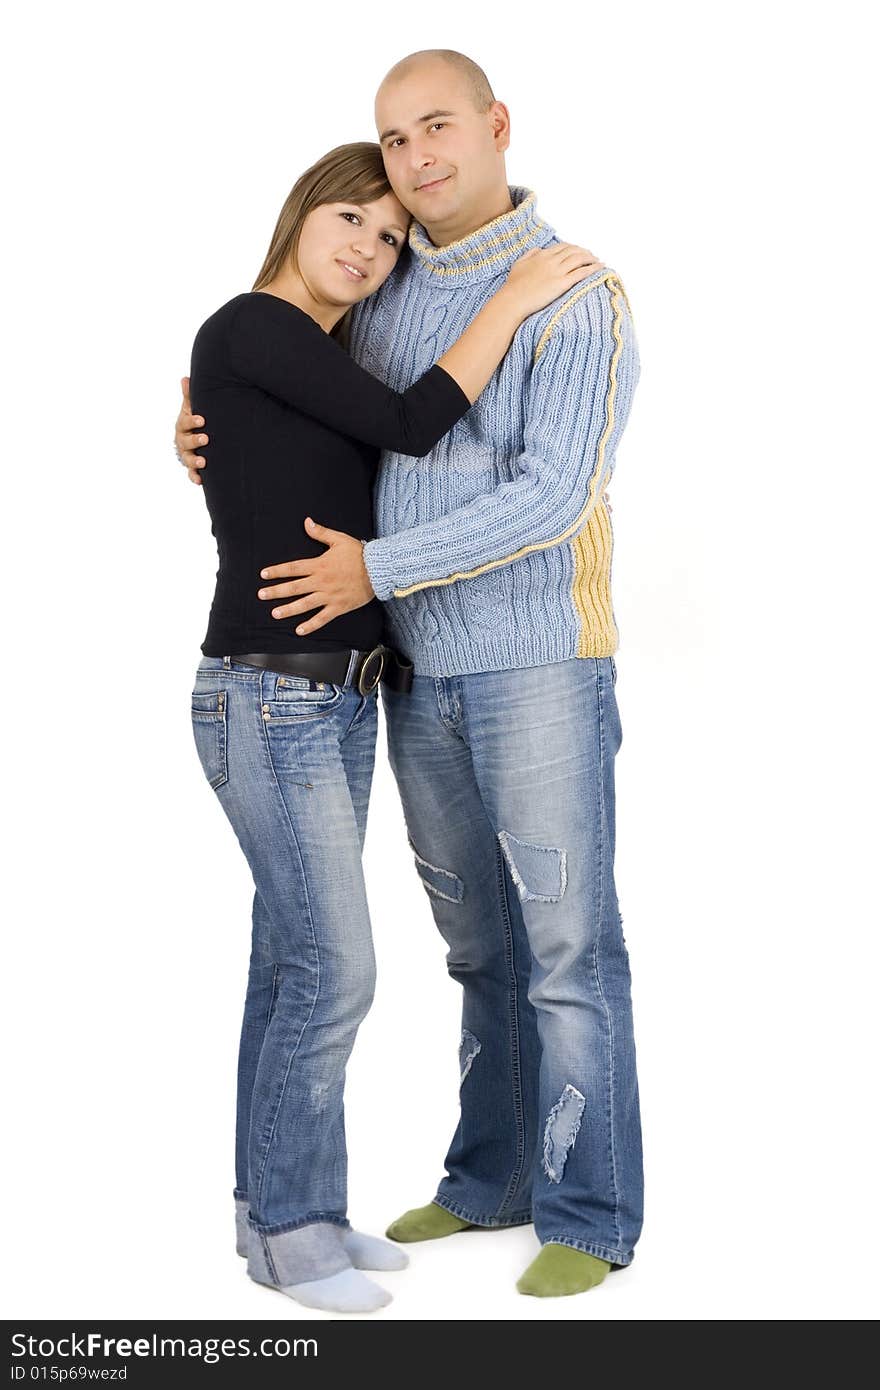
(591, 584)
(576, 525)
(579, 294)
(486, 260)
(427, 248)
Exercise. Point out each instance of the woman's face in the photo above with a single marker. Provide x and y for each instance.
(346, 250)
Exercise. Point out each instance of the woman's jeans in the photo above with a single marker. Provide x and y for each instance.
(291, 761)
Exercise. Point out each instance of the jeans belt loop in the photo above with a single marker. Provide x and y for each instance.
(352, 666)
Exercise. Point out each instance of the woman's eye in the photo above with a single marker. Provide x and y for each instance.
(392, 240)
(351, 214)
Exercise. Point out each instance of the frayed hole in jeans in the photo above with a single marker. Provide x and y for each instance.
(561, 1130)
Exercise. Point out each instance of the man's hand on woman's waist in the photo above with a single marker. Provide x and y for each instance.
(188, 436)
(335, 582)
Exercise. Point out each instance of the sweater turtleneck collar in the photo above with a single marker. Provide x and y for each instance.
(490, 250)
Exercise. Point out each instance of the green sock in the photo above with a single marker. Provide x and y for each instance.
(425, 1223)
(559, 1270)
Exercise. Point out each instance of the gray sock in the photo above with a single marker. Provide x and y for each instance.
(346, 1292)
(369, 1252)
(365, 1252)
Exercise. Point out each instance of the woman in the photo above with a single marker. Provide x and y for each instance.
(285, 725)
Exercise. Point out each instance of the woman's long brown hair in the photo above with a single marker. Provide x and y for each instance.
(349, 174)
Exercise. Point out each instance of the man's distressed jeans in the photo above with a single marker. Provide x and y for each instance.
(507, 782)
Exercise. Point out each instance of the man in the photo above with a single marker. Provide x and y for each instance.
(493, 557)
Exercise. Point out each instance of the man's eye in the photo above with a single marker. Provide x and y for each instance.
(437, 125)
(395, 141)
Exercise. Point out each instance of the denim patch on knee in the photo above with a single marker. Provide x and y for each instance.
(320, 1093)
(538, 871)
(561, 1130)
(468, 1049)
(441, 882)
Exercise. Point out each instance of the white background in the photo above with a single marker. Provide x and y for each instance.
(719, 159)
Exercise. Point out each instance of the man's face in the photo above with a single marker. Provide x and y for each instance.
(441, 154)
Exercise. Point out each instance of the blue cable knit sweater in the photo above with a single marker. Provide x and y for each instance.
(494, 550)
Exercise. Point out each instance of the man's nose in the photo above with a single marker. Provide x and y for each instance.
(420, 159)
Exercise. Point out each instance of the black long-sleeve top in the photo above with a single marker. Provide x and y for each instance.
(295, 428)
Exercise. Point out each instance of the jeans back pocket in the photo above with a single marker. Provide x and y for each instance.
(209, 732)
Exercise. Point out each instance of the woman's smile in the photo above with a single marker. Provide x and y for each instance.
(351, 271)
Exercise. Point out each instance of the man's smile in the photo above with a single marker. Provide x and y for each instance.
(426, 187)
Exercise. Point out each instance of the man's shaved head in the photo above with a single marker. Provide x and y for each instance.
(475, 79)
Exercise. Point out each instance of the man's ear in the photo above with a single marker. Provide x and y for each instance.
(499, 120)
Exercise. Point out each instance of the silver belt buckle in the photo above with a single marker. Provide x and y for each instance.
(376, 655)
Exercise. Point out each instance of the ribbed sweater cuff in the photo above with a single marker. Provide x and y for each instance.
(378, 562)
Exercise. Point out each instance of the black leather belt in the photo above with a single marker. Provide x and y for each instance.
(363, 670)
